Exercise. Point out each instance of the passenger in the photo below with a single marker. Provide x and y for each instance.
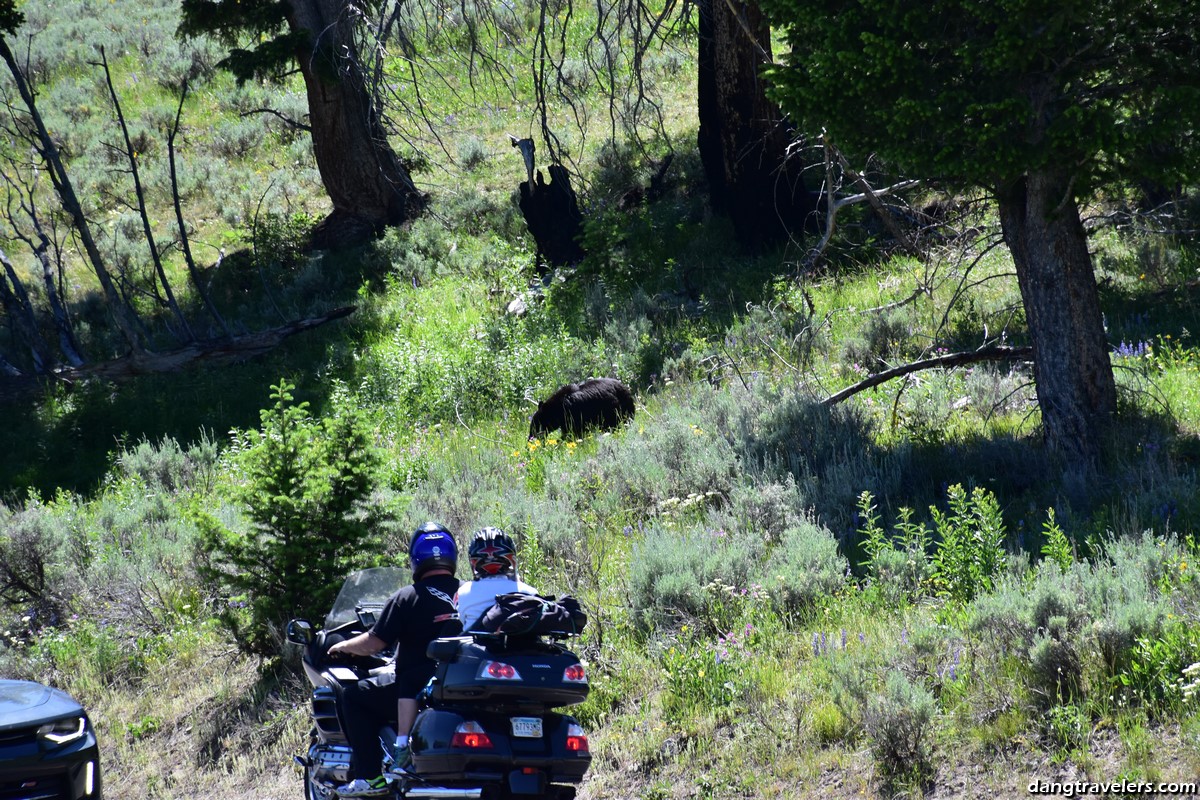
(494, 565)
(412, 618)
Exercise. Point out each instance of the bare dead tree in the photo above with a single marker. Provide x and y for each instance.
(22, 207)
(837, 170)
(15, 301)
(184, 240)
(131, 156)
(123, 313)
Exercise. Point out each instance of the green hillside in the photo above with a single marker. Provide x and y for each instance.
(903, 593)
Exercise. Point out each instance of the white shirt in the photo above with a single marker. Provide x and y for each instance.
(476, 597)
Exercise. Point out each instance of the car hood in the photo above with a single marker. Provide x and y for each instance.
(24, 703)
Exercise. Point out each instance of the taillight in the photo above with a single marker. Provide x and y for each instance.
(472, 736)
(575, 674)
(499, 671)
(576, 740)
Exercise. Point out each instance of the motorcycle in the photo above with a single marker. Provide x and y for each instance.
(485, 726)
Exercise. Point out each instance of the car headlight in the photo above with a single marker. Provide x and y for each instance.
(63, 731)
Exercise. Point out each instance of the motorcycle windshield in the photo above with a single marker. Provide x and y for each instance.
(366, 588)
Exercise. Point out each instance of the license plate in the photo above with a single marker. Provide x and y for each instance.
(527, 727)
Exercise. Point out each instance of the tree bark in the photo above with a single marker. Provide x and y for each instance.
(743, 137)
(1074, 377)
(369, 187)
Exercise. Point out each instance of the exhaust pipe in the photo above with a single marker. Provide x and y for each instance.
(443, 793)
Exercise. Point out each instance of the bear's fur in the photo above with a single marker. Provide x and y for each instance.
(603, 403)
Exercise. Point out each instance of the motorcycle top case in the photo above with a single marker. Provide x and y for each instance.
(525, 671)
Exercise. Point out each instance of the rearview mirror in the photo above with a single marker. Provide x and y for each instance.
(300, 631)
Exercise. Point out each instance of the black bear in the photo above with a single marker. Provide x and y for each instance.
(597, 402)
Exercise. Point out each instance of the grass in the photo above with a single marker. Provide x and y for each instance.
(707, 679)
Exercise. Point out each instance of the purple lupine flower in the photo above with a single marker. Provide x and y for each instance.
(816, 645)
(843, 638)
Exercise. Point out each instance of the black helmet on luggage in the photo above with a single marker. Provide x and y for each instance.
(492, 552)
(432, 547)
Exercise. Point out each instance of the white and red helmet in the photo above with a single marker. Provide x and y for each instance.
(492, 552)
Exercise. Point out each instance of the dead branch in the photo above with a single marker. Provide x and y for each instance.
(184, 240)
(122, 312)
(147, 229)
(835, 204)
(872, 198)
(291, 123)
(992, 353)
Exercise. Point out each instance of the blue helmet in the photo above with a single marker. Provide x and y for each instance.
(432, 547)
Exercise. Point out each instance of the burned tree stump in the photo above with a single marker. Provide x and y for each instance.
(551, 210)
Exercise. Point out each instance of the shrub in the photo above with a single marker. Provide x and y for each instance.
(302, 485)
(674, 576)
(472, 154)
(899, 725)
(1055, 664)
(39, 565)
(806, 569)
(767, 506)
(167, 466)
(668, 460)
(829, 452)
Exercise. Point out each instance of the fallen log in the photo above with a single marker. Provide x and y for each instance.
(992, 353)
(212, 352)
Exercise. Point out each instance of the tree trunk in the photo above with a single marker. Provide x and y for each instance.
(1075, 387)
(743, 137)
(369, 187)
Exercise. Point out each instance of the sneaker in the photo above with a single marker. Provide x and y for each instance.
(363, 788)
(399, 764)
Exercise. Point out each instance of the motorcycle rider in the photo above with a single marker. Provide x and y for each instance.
(494, 564)
(412, 618)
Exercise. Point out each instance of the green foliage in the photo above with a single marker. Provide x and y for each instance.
(259, 21)
(303, 486)
(280, 241)
(1067, 729)
(465, 361)
(1058, 548)
(1155, 678)
(697, 678)
(984, 93)
(970, 552)
(900, 565)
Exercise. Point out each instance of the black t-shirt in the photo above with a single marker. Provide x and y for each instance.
(416, 615)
